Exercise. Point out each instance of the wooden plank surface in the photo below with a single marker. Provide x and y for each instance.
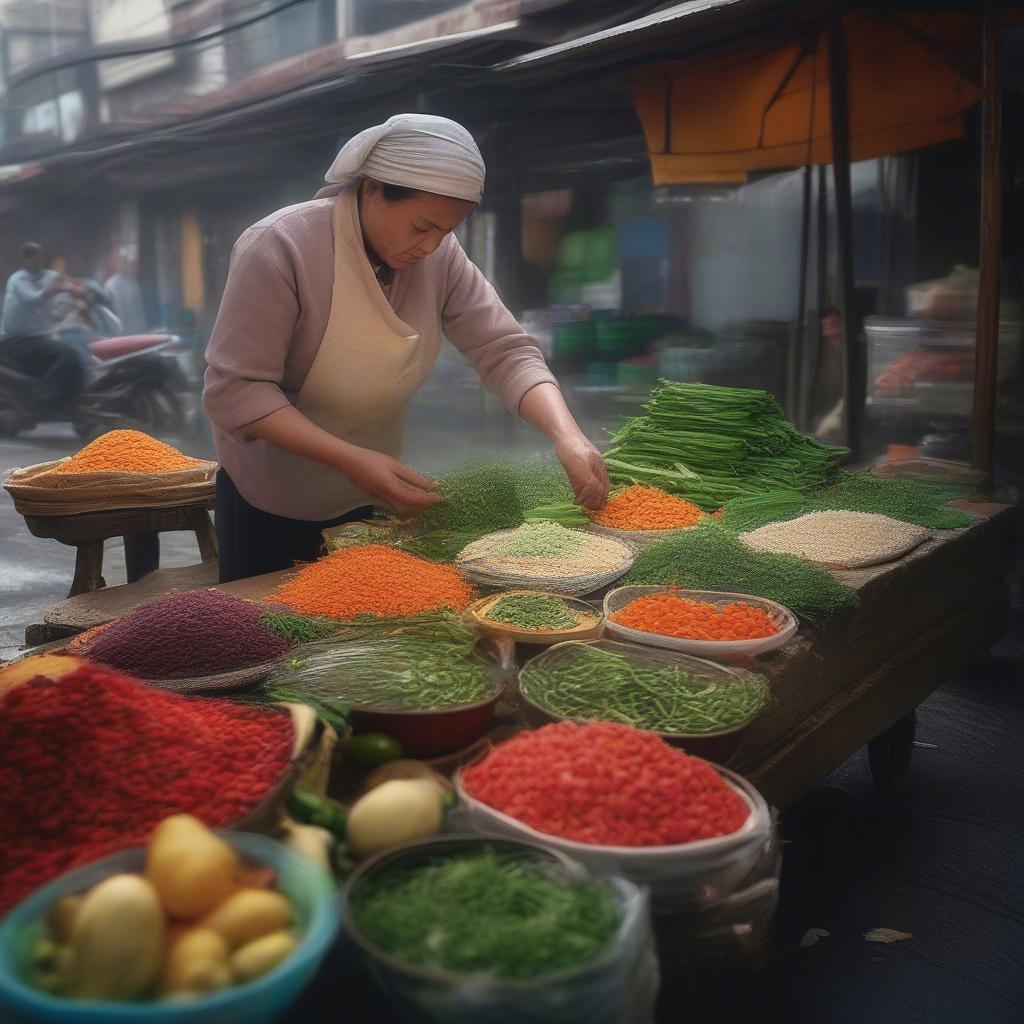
(833, 687)
(103, 606)
(844, 724)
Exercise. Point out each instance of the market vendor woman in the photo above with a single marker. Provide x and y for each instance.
(333, 315)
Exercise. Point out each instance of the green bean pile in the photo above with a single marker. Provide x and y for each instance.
(710, 557)
(533, 611)
(581, 681)
(486, 914)
(709, 444)
(424, 667)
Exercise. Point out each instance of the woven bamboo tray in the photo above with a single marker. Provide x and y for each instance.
(590, 628)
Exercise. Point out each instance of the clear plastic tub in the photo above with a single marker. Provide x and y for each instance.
(312, 894)
(721, 650)
(676, 875)
(618, 987)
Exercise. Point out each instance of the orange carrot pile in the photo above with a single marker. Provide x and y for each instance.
(127, 451)
(671, 615)
(647, 508)
(373, 580)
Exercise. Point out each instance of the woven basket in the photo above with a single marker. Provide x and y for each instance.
(518, 573)
(41, 491)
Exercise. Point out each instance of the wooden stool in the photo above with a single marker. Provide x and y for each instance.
(140, 528)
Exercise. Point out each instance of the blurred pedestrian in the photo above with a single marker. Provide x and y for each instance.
(125, 294)
(828, 380)
(28, 299)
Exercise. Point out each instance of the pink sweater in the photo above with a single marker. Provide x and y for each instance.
(274, 312)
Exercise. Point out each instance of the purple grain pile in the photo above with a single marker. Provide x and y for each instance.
(198, 633)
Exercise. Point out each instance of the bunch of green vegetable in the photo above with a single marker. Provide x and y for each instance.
(710, 557)
(583, 681)
(533, 611)
(495, 494)
(709, 444)
(422, 667)
(486, 914)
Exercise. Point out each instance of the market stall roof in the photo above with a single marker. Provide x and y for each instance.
(702, 18)
(909, 79)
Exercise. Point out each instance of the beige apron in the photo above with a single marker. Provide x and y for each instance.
(369, 365)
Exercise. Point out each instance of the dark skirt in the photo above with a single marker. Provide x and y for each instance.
(253, 542)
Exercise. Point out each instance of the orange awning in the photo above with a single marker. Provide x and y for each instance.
(910, 77)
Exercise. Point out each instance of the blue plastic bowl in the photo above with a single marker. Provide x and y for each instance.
(317, 911)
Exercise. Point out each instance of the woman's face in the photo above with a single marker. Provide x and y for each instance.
(402, 232)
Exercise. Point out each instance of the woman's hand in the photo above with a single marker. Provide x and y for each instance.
(585, 469)
(396, 485)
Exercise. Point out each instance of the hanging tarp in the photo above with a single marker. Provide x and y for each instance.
(910, 78)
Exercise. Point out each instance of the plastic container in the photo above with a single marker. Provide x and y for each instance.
(618, 987)
(715, 746)
(717, 650)
(677, 875)
(310, 890)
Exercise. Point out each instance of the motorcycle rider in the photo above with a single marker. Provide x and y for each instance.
(29, 317)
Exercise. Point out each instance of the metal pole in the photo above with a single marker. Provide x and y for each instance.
(853, 385)
(797, 377)
(986, 348)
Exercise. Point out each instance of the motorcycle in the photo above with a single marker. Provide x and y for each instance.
(145, 382)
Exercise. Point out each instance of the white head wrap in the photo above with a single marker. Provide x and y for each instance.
(421, 151)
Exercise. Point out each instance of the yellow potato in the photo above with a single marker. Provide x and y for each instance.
(249, 914)
(197, 962)
(193, 869)
(255, 959)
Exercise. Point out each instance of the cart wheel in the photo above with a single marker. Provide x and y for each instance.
(889, 757)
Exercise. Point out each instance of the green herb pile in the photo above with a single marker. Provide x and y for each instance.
(533, 611)
(910, 501)
(300, 629)
(582, 681)
(485, 496)
(427, 666)
(486, 914)
(710, 557)
(710, 444)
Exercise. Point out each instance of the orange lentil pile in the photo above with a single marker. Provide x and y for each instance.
(127, 451)
(671, 615)
(647, 508)
(373, 580)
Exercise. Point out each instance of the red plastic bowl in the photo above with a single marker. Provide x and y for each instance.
(429, 733)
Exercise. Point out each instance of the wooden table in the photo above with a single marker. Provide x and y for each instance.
(140, 528)
(855, 680)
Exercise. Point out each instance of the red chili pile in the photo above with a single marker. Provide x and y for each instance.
(197, 633)
(92, 762)
(608, 784)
